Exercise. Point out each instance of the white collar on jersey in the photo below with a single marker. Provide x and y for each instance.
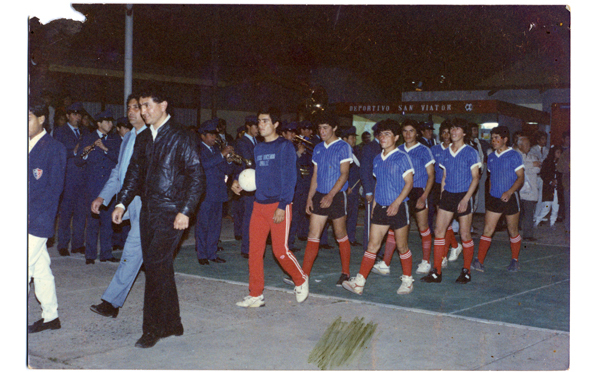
(389, 153)
(499, 154)
(327, 146)
(459, 150)
(414, 147)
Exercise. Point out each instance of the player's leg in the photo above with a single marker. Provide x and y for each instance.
(376, 235)
(512, 224)
(401, 235)
(315, 228)
(490, 221)
(465, 223)
(442, 221)
(341, 235)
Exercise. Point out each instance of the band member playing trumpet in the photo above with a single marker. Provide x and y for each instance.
(245, 148)
(216, 168)
(99, 154)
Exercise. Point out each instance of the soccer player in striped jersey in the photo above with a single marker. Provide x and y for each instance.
(272, 210)
(507, 175)
(436, 192)
(461, 176)
(393, 171)
(423, 179)
(327, 194)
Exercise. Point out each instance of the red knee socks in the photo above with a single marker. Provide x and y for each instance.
(484, 245)
(515, 246)
(426, 244)
(310, 255)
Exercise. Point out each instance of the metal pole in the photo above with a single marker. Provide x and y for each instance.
(128, 74)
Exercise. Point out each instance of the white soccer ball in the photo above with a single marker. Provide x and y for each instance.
(247, 179)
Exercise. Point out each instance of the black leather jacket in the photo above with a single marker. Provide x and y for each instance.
(166, 172)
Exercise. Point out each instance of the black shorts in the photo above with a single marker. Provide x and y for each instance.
(337, 208)
(396, 222)
(415, 194)
(450, 201)
(512, 206)
(435, 195)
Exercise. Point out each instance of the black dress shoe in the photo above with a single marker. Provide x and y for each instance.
(64, 252)
(245, 255)
(41, 326)
(219, 249)
(78, 250)
(177, 331)
(294, 249)
(147, 340)
(105, 309)
(325, 246)
(117, 247)
(218, 260)
(203, 261)
(89, 261)
(238, 237)
(112, 259)
(302, 238)
(355, 244)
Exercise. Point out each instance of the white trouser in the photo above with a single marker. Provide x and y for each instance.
(39, 270)
(538, 206)
(545, 208)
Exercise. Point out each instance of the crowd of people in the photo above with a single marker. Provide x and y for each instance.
(139, 184)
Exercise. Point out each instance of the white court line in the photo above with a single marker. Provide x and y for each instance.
(396, 307)
(507, 297)
(545, 257)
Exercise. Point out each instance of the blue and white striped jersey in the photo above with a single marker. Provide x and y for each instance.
(458, 166)
(503, 168)
(438, 152)
(390, 171)
(328, 159)
(420, 156)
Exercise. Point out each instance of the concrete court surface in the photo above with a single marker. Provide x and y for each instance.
(280, 336)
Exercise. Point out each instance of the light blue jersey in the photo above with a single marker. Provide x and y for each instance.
(389, 172)
(421, 157)
(328, 159)
(438, 153)
(503, 168)
(458, 166)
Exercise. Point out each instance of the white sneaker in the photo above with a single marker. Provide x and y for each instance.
(407, 285)
(355, 284)
(250, 301)
(424, 267)
(381, 268)
(444, 262)
(301, 291)
(455, 252)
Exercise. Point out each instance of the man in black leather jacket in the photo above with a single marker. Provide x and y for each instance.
(166, 172)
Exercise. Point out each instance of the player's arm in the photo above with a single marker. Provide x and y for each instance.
(430, 181)
(392, 210)
(344, 172)
(516, 186)
(312, 190)
(462, 206)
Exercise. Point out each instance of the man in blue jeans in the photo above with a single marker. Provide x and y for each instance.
(131, 260)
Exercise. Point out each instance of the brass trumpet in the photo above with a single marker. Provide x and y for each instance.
(233, 157)
(306, 143)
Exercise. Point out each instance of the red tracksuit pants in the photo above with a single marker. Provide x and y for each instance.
(261, 223)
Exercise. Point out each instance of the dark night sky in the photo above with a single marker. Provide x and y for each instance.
(389, 45)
